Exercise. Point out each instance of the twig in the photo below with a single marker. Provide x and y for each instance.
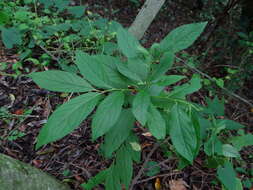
(161, 175)
(49, 53)
(212, 80)
(134, 182)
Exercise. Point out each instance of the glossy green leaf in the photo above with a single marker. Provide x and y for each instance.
(158, 70)
(119, 132)
(227, 176)
(169, 80)
(61, 81)
(141, 104)
(156, 123)
(182, 37)
(107, 114)
(128, 44)
(11, 37)
(67, 117)
(124, 166)
(183, 133)
(96, 180)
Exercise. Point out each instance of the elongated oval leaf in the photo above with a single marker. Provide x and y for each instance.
(182, 133)
(182, 37)
(124, 166)
(128, 44)
(119, 132)
(165, 64)
(112, 179)
(61, 81)
(124, 70)
(227, 176)
(192, 86)
(156, 123)
(107, 114)
(169, 80)
(67, 117)
(11, 37)
(96, 180)
(141, 103)
(92, 70)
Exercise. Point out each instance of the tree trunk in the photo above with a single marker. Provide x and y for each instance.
(144, 18)
(15, 175)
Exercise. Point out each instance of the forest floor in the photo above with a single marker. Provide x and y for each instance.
(75, 158)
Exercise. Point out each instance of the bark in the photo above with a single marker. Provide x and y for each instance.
(145, 17)
(15, 175)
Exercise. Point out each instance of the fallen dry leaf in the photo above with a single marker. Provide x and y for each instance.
(158, 185)
(147, 134)
(178, 184)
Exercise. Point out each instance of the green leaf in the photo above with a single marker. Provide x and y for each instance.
(128, 44)
(241, 141)
(230, 124)
(107, 114)
(96, 180)
(182, 37)
(4, 17)
(61, 4)
(227, 176)
(92, 70)
(100, 70)
(77, 11)
(239, 184)
(67, 117)
(160, 69)
(134, 147)
(183, 133)
(169, 80)
(138, 66)
(156, 123)
(60, 81)
(213, 146)
(11, 37)
(124, 70)
(192, 86)
(230, 151)
(112, 179)
(141, 103)
(215, 107)
(115, 79)
(47, 3)
(119, 132)
(124, 166)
